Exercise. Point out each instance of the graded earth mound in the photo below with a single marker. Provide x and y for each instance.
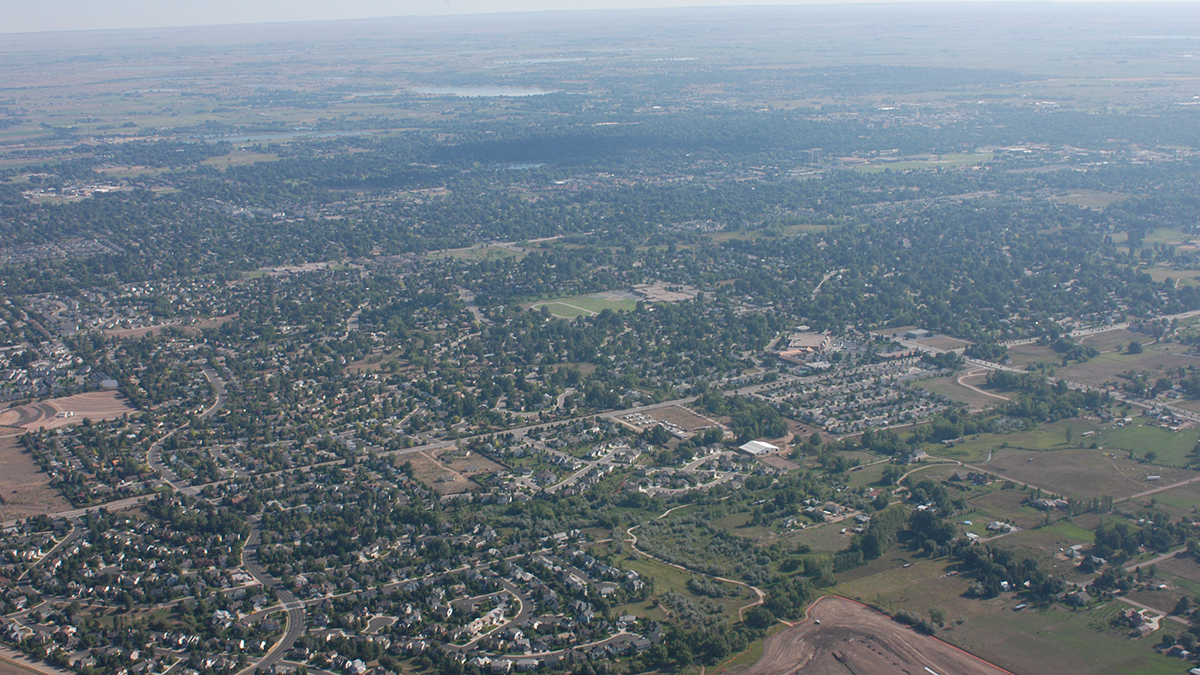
(842, 637)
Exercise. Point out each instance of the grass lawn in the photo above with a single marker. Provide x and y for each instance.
(950, 388)
(823, 538)
(584, 305)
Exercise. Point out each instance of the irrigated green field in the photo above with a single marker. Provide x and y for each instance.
(584, 305)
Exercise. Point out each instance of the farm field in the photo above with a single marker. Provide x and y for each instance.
(1083, 474)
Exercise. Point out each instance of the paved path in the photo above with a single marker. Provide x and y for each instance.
(632, 541)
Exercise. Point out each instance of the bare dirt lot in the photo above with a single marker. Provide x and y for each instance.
(25, 488)
(842, 636)
(683, 418)
(450, 471)
(154, 331)
(945, 342)
(61, 412)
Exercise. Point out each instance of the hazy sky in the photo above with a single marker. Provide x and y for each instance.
(19, 16)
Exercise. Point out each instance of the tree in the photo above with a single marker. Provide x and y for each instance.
(759, 618)
(1182, 606)
(1135, 347)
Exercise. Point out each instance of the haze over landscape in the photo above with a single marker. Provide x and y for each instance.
(733, 339)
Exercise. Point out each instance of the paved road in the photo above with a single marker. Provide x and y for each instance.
(296, 619)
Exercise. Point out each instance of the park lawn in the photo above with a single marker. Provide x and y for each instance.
(583, 305)
(563, 310)
(1178, 277)
(479, 252)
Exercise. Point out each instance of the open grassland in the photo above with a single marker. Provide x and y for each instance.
(826, 538)
(1181, 502)
(1045, 437)
(667, 578)
(886, 583)
(1178, 277)
(1111, 340)
(952, 389)
(1082, 473)
(1005, 505)
(1108, 367)
(1183, 572)
(1170, 447)
(1058, 640)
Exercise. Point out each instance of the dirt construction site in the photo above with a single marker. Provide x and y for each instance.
(843, 637)
(66, 410)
